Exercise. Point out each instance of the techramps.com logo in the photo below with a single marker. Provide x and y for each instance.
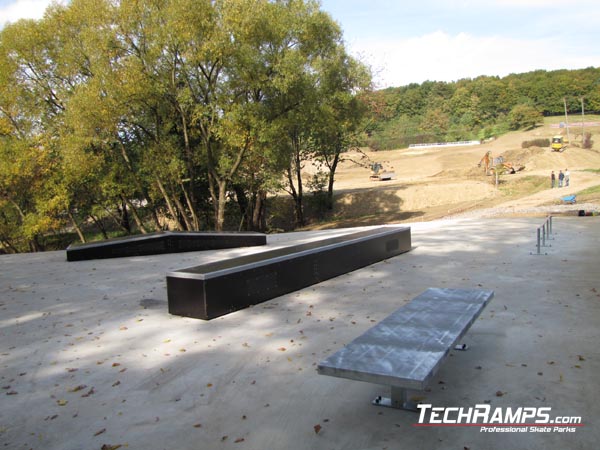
(499, 419)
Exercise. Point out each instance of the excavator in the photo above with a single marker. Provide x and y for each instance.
(498, 165)
(559, 143)
(378, 173)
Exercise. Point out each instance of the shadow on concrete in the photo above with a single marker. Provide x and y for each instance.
(90, 357)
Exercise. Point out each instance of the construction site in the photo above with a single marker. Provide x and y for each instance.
(426, 183)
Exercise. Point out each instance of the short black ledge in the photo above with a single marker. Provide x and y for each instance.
(163, 242)
(215, 289)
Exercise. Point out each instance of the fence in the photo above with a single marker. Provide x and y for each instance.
(544, 233)
(444, 144)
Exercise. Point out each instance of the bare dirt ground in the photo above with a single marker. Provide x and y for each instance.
(431, 183)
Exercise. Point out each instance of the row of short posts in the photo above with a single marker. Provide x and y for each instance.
(544, 233)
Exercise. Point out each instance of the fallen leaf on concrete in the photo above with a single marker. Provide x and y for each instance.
(12, 393)
(198, 425)
(90, 392)
(499, 393)
(224, 438)
(317, 428)
(209, 385)
(72, 369)
(238, 440)
(78, 388)
(282, 349)
(110, 447)
(123, 328)
(99, 432)
(116, 364)
(62, 402)
(116, 383)
(581, 358)
(550, 363)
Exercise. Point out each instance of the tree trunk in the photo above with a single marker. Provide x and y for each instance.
(191, 207)
(222, 203)
(35, 246)
(139, 185)
(124, 216)
(180, 207)
(100, 226)
(136, 217)
(8, 245)
(244, 205)
(259, 222)
(169, 205)
(332, 168)
(77, 228)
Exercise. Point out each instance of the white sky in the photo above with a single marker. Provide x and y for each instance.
(446, 40)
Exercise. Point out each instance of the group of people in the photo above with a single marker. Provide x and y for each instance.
(563, 178)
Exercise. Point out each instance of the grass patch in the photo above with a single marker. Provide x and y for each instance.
(522, 186)
(594, 190)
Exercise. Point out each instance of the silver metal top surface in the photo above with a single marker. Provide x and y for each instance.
(240, 263)
(406, 348)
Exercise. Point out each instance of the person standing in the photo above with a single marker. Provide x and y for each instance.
(561, 177)
(552, 180)
(567, 176)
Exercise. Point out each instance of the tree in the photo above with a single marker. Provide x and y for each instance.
(524, 116)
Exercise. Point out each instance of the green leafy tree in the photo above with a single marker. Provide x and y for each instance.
(524, 116)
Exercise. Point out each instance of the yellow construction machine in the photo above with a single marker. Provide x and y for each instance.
(559, 143)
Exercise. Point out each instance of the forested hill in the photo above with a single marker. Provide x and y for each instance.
(477, 108)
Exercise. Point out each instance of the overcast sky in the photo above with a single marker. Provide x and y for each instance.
(446, 40)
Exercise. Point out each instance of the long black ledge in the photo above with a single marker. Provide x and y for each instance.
(163, 242)
(215, 289)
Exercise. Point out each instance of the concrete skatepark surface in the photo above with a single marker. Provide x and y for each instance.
(89, 356)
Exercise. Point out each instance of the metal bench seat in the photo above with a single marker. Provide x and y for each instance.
(406, 349)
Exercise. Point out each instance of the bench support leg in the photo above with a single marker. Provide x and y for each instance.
(398, 399)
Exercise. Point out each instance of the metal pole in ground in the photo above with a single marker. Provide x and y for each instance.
(538, 240)
(544, 235)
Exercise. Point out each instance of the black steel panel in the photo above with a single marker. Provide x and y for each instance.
(214, 289)
(162, 242)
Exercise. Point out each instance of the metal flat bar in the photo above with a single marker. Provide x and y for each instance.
(407, 348)
(163, 242)
(214, 289)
